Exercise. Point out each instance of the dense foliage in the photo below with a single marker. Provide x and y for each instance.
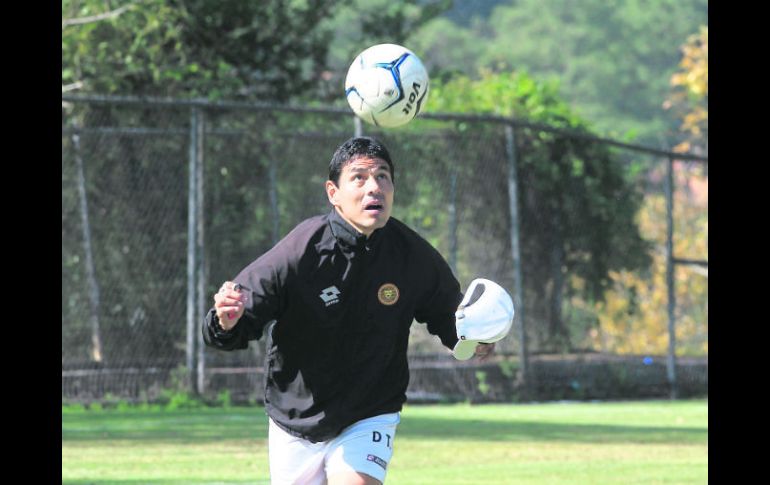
(531, 60)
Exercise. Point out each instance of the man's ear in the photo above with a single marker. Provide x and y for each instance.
(331, 192)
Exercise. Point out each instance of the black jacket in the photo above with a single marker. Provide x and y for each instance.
(338, 308)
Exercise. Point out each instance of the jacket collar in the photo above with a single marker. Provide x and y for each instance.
(340, 232)
(343, 232)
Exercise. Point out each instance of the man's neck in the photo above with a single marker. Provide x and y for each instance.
(355, 228)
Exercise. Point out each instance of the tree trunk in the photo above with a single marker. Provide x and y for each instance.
(97, 354)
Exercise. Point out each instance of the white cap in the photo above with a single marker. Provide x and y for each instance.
(485, 320)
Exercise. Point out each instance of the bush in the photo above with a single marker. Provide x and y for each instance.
(182, 400)
(224, 400)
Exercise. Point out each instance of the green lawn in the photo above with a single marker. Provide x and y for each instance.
(651, 442)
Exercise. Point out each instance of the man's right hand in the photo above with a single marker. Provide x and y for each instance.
(228, 303)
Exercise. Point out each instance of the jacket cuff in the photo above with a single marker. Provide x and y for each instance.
(449, 339)
(216, 329)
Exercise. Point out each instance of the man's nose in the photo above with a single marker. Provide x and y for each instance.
(372, 185)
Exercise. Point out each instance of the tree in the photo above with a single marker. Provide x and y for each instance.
(267, 50)
(633, 313)
(690, 96)
(613, 59)
(577, 203)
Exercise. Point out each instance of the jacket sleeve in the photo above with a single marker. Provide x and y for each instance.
(442, 296)
(264, 283)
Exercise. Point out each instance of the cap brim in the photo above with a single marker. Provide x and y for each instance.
(464, 349)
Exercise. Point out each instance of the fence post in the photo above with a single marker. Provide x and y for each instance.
(671, 360)
(273, 193)
(453, 219)
(513, 198)
(201, 262)
(192, 259)
(358, 129)
(93, 285)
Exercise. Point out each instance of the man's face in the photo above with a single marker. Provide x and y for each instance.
(364, 194)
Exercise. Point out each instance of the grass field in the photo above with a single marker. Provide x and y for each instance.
(651, 442)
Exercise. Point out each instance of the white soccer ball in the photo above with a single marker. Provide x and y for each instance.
(387, 85)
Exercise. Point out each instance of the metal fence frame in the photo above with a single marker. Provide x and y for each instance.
(196, 277)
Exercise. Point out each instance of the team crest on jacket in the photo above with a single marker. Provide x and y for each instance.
(388, 294)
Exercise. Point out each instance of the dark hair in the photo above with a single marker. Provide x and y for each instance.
(354, 148)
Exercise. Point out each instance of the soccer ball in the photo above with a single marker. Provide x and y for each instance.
(387, 85)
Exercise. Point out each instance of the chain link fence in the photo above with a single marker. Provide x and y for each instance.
(162, 200)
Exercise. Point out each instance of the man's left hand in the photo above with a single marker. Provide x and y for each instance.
(484, 351)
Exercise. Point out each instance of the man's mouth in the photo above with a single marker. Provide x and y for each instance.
(374, 207)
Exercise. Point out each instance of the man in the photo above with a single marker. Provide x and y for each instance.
(336, 298)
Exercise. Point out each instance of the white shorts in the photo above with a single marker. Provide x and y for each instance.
(364, 447)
